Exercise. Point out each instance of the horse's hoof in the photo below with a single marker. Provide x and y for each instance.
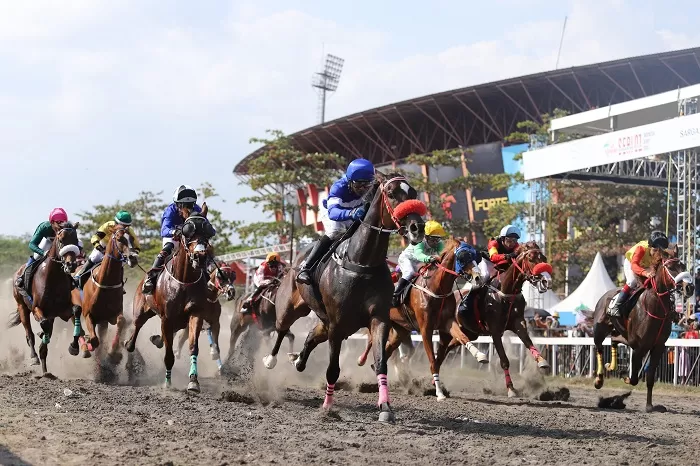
(157, 341)
(295, 359)
(270, 361)
(34, 361)
(193, 387)
(361, 361)
(543, 364)
(86, 355)
(215, 355)
(94, 343)
(386, 414)
(649, 409)
(609, 367)
(482, 358)
(177, 354)
(598, 384)
(73, 350)
(441, 397)
(49, 375)
(512, 393)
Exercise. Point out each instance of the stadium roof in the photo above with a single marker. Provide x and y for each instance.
(489, 112)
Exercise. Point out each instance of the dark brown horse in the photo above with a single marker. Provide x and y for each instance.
(353, 286)
(648, 326)
(180, 296)
(499, 309)
(221, 284)
(431, 306)
(52, 294)
(103, 301)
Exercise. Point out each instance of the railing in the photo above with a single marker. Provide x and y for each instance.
(576, 357)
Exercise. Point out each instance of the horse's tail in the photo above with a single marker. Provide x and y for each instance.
(14, 319)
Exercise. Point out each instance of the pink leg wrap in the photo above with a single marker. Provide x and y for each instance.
(383, 389)
(535, 354)
(328, 401)
(509, 382)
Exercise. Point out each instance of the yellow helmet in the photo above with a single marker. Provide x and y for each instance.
(433, 228)
(272, 256)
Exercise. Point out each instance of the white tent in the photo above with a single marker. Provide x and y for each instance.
(595, 285)
(533, 298)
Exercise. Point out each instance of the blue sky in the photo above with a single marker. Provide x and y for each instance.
(100, 99)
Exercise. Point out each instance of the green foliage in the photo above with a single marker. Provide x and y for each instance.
(504, 214)
(224, 228)
(276, 173)
(14, 251)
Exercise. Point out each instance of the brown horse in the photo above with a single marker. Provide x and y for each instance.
(103, 301)
(180, 296)
(289, 307)
(220, 284)
(263, 315)
(431, 306)
(651, 310)
(52, 294)
(353, 287)
(499, 309)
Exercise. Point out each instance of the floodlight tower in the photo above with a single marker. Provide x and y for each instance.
(327, 81)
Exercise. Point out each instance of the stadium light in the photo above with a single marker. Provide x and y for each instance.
(327, 81)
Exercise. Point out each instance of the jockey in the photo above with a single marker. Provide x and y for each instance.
(637, 260)
(104, 233)
(270, 270)
(504, 248)
(174, 216)
(426, 251)
(41, 241)
(344, 205)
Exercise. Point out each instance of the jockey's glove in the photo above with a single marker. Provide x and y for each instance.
(358, 213)
(100, 248)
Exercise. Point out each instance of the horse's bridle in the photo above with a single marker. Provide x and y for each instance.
(60, 250)
(386, 204)
(538, 281)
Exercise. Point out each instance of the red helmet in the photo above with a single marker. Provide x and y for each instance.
(58, 215)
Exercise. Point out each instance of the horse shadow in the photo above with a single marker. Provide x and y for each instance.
(9, 458)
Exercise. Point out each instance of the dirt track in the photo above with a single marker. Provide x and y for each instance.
(283, 424)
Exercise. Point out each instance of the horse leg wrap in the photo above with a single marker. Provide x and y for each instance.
(535, 354)
(509, 381)
(168, 375)
(193, 365)
(473, 350)
(45, 338)
(613, 359)
(599, 358)
(76, 327)
(383, 389)
(328, 401)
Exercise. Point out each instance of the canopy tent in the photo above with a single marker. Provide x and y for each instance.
(586, 296)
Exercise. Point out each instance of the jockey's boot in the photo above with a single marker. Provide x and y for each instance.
(19, 283)
(319, 250)
(620, 300)
(150, 283)
(87, 266)
(400, 286)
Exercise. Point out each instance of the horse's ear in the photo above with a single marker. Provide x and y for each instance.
(205, 210)
(381, 177)
(674, 250)
(76, 225)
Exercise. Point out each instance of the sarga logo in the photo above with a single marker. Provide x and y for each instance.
(690, 132)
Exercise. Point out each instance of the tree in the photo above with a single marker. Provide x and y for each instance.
(14, 251)
(224, 228)
(275, 175)
(605, 218)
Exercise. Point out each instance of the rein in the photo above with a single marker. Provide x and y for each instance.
(390, 210)
(655, 287)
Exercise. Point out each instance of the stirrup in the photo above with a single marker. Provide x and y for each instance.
(304, 277)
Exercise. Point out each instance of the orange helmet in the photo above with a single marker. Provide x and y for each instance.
(272, 257)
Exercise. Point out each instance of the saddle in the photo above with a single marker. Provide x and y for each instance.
(406, 292)
(627, 307)
(29, 276)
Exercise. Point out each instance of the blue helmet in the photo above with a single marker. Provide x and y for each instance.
(360, 170)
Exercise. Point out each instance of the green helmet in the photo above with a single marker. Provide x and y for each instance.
(123, 217)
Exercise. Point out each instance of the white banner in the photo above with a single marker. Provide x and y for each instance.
(634, 143)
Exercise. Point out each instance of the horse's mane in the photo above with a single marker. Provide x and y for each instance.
(451, 244)
(529, 245)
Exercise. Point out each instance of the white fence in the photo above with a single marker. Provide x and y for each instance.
(574, 357)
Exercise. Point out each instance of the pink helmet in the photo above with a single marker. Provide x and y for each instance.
(58, 215)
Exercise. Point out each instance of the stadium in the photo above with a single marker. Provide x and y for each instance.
(479, 118)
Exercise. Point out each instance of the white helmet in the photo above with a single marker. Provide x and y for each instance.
(510, 231)
(185, 193)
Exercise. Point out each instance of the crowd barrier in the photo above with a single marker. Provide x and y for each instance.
(576, 357)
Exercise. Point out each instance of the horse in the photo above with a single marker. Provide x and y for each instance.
(431, 306)
(220, 284)
(180, 296)
(52, 295)
(289, 307)
(263, 315)
(651, 309)
(499, 309)
(353, 287)
(103, 301)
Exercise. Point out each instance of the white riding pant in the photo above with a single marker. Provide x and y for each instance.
(486, 268)
(96, 256)
(407, 266)
(630, 277)
(333, 229)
